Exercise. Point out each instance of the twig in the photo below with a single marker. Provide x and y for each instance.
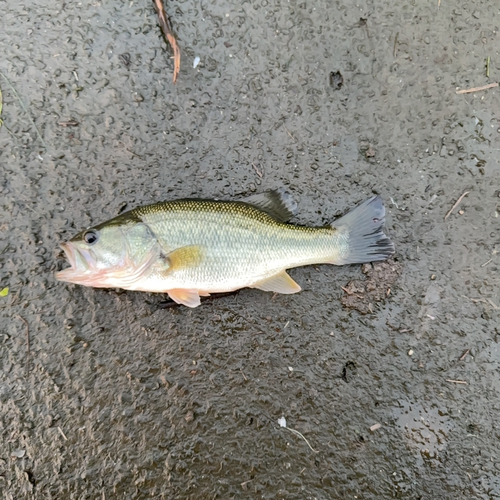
(259, 173)
(395, 45)
(244, 484)
(456, 204)
(477, 89)
(62, 434)
(456, 381)
(27, 342)
(300, 435)
(24, 107)
(290, 135)
(463, 356)
(169, 35)
(487, 262)
(69, 123)
(493, 304)
(488, 67)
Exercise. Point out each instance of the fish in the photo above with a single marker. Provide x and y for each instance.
(190, 248)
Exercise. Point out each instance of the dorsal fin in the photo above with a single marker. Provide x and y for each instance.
(277, 203)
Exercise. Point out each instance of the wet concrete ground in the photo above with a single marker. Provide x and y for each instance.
(114, 397)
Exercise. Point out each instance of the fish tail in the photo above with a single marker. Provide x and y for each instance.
(362, 231)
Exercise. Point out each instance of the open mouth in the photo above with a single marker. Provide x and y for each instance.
(77, 262)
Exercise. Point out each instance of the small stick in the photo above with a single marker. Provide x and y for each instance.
(244, 484)
(290, 135)
(299, 434)
(488, 67)
(62, 434)
(395, 45)
(456, 204)
(486, 263)
(493, 304)
(456, 381)
(24, 107)
(1, 104)
(259, 173)
(27, 343)
(169, 35)
(477, 89)
(462, 357)
(243, 374)
(69, 123)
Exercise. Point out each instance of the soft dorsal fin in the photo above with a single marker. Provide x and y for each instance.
(281, 283)
(277, 203)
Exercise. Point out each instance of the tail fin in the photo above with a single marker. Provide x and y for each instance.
(363, 229)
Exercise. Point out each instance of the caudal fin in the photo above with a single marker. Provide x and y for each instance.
(363, 229)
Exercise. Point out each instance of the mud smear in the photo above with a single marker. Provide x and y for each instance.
(362, 295)
(425, 430)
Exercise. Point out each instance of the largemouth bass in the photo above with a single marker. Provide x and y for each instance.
(192, 248)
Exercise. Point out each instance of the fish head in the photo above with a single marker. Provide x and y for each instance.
(109, 255)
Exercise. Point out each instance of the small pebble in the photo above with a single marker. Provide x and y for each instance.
(196, 61)
(375, 427)
(410, 352)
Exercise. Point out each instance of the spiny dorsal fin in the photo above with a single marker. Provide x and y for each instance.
(281, 283)
(277, 203)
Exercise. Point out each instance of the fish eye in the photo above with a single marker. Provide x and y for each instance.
(91, 236)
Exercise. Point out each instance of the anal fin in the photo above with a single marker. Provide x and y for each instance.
(281, 283)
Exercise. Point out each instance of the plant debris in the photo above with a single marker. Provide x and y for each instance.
(169, 35)
(456, 204)
(477, 89)
(24, 108)
(362, 294)
(69, 123)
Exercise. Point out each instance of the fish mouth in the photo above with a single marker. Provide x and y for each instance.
(79, 266)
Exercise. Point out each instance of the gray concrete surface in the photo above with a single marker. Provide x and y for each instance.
(117, 398)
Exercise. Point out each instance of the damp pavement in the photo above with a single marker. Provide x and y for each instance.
(105, 394)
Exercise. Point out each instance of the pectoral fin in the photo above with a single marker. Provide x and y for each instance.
(281, 283)
(189, 298)
(188, 256)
